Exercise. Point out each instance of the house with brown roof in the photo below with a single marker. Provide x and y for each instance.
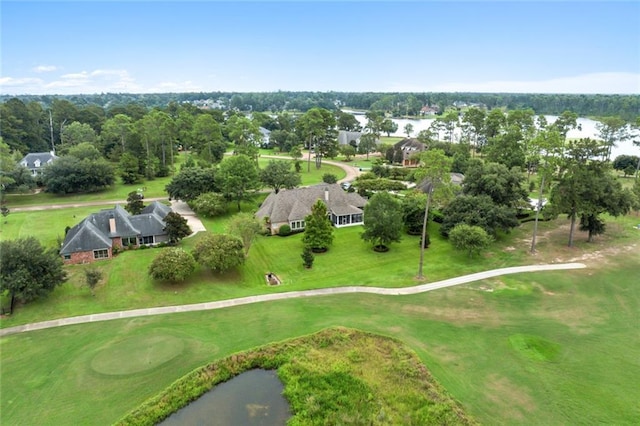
(98, 234)
(404, 152)
(292, 206)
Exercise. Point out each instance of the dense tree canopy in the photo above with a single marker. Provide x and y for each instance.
(238, 177)
(28, 270)
(172, 264)
(472, 239)
(191, 182)
(70, 175)
(176, 227)
(478, 210)
(504, 185)
(382, 220)
(219, 252)
(278, 175)
(318, 231)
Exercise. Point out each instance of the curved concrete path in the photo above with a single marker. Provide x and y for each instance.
(288, 295)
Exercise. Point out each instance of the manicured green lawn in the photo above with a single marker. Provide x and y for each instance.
(470, 337)
(152, 188)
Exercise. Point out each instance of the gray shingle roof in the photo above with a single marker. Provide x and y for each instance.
(29, 160)
(94, 232)
(295, 204)
(84, 236)
(345, 137)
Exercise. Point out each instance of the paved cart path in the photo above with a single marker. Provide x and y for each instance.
(220, 304)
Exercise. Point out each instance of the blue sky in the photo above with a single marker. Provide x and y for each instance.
(420, 46)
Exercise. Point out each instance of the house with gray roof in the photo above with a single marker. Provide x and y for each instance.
(292, 206)
(345, 138)
(96, 236)
(35, 161)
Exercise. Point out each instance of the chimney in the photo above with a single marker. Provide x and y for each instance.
(112, 225)
(326, 194)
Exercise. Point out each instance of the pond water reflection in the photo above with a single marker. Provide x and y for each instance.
(252, 398)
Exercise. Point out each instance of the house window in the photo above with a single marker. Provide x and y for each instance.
(356, 218)
(129, 241)
(297, 224)
(146, 240)
(101, 254)
(67, 257)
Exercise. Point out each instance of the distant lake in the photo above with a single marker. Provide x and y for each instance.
(589, 130)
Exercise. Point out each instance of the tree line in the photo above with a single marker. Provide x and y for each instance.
(585, 105)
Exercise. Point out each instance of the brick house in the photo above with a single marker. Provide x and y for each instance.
(96, 236)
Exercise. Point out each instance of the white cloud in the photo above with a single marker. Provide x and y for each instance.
(96, 81)
(44, 68)
(595, 83)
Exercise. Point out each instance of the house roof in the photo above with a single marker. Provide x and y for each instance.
(345, 137)
(29, 160)
(94, 232)
(295, 204)
(84, 236)
(410, 144)
(425, 185)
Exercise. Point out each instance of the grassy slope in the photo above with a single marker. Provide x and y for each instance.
(462, 334)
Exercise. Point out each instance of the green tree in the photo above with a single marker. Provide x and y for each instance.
(612, 130)
(116, 130)
(472, 239)
(506, 148)
(367, 144)
(317, 127)
(348, 151)
(579, 188)
(207, 134)
(92, 277)
(346, 121)
(85, 151)
(71, 175)
(413, 207)
(318, 231)
(435, 168)
(191, 182)
(473, 125)
(388, 126)
(307, 257)
(28, 270)
(238, 177)
(504, 185)
(408, 129)
(176, 227)
(329, 178)
(246, 136)
(278, 175)
(209, 204)
(244, 226)
(382, 221)
(219, 252)
(77, 133)
(129, 168)
(172, 264)
(478, 210)
(546, 146)
(134, 203)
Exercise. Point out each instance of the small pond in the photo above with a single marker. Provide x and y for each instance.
(251, 398)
